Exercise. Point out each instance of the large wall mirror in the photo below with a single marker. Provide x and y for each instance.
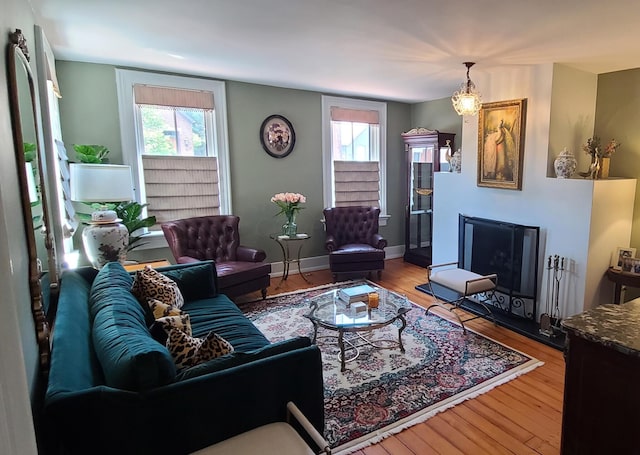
(31, 172)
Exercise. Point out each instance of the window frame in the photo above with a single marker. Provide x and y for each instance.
(327, 157)
(133, 142)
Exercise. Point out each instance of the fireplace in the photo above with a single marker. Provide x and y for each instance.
(508, 250)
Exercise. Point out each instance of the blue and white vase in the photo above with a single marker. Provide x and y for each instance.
(456, 162)
(565, 164)
(105, 239)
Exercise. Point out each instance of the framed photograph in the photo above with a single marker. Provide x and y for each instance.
(622, 255)
(501, 127)
(631, 265)
(277, 136)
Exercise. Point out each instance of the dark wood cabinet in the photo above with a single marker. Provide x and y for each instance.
(601, 411)
(425, 153)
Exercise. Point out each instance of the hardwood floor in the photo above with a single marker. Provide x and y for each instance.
(523, 416)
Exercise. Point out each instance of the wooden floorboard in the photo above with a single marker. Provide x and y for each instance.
(523, 416)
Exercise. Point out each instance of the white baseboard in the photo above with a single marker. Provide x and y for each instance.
(311, 264)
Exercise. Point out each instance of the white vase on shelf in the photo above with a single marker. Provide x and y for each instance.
(456, 162)
(565, 164)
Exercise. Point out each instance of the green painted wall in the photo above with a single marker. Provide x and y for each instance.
(89, 107)
(573, 106)
(89, 115)
(438, 115)
(618, 116)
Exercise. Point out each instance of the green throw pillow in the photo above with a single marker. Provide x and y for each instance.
(196, 281)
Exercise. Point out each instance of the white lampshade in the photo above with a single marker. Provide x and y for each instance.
(31, 183)
(100, 182)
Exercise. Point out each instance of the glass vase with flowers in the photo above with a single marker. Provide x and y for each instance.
(289, 204)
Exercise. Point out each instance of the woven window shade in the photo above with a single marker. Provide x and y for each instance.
(340, 114)
(172, 97)
(357, 183)
(181, 187)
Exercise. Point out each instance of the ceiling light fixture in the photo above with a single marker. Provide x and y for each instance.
(467, 100)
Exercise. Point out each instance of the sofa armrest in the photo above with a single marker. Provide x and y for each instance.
(377, 241)
(247, 254)
(330, 243)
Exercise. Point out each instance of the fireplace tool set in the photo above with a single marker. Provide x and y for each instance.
(550, 319)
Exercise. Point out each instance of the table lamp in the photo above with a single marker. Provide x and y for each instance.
(105, 238)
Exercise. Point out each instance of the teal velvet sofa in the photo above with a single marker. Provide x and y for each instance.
(112, 388)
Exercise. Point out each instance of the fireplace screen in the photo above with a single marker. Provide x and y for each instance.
(508, 250)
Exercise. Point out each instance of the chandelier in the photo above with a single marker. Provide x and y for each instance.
(467, 100)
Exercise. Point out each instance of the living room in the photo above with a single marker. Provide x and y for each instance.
(566, 106)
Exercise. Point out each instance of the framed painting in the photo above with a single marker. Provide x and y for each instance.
(501, 127)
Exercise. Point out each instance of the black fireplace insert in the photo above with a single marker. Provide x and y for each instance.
(509, 250)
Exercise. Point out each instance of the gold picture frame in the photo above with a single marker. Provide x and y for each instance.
(501, 129)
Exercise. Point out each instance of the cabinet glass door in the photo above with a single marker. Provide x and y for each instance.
(420, 207)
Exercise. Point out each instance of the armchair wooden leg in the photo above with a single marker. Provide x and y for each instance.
(379, 275)
(335, 277)
(263, 291)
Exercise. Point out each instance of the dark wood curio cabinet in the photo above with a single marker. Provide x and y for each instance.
(425, 153)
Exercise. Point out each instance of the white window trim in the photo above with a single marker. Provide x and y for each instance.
(327, 161)
(131, 143)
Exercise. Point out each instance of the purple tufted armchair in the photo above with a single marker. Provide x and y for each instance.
(353, 242)
(240, 269)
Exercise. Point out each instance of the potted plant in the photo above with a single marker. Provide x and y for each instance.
(94, 154)
(131, 215)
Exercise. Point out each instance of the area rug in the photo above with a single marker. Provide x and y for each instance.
(384, 391)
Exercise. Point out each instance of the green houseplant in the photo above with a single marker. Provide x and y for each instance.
(94, 154)
(131, 215)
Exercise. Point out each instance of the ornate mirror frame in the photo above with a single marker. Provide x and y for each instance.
(32, 184)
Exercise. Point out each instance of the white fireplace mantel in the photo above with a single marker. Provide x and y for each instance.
(581, 220)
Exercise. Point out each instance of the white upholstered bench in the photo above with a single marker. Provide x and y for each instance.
(464, 284)
(278, 438)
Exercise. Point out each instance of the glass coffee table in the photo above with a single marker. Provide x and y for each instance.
(327, 310)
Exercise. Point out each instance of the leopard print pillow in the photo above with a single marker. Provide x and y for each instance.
(161, 310)
(188, 351)
(151, 284)
(180, 322)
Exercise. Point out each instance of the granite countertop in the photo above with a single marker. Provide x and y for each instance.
(614, 326)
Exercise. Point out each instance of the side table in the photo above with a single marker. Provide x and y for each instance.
(622, 280)
(141, 265)
(291, 247)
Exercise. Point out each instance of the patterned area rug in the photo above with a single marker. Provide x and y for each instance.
(384, 391)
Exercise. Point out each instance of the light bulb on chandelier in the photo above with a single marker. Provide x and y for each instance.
(467, 100)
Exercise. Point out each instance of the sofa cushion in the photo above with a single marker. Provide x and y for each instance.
(195, 281)
(223, 317)
(240, 358)
(130, 358)
(151, 284)
(188, 351)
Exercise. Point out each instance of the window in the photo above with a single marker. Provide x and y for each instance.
(174, 137)
(354, 152)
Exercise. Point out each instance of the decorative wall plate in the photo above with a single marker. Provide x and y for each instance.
(277, 136)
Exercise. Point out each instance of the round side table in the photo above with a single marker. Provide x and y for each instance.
(291, 247)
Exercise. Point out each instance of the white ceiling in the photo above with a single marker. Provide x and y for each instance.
(405, 50)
